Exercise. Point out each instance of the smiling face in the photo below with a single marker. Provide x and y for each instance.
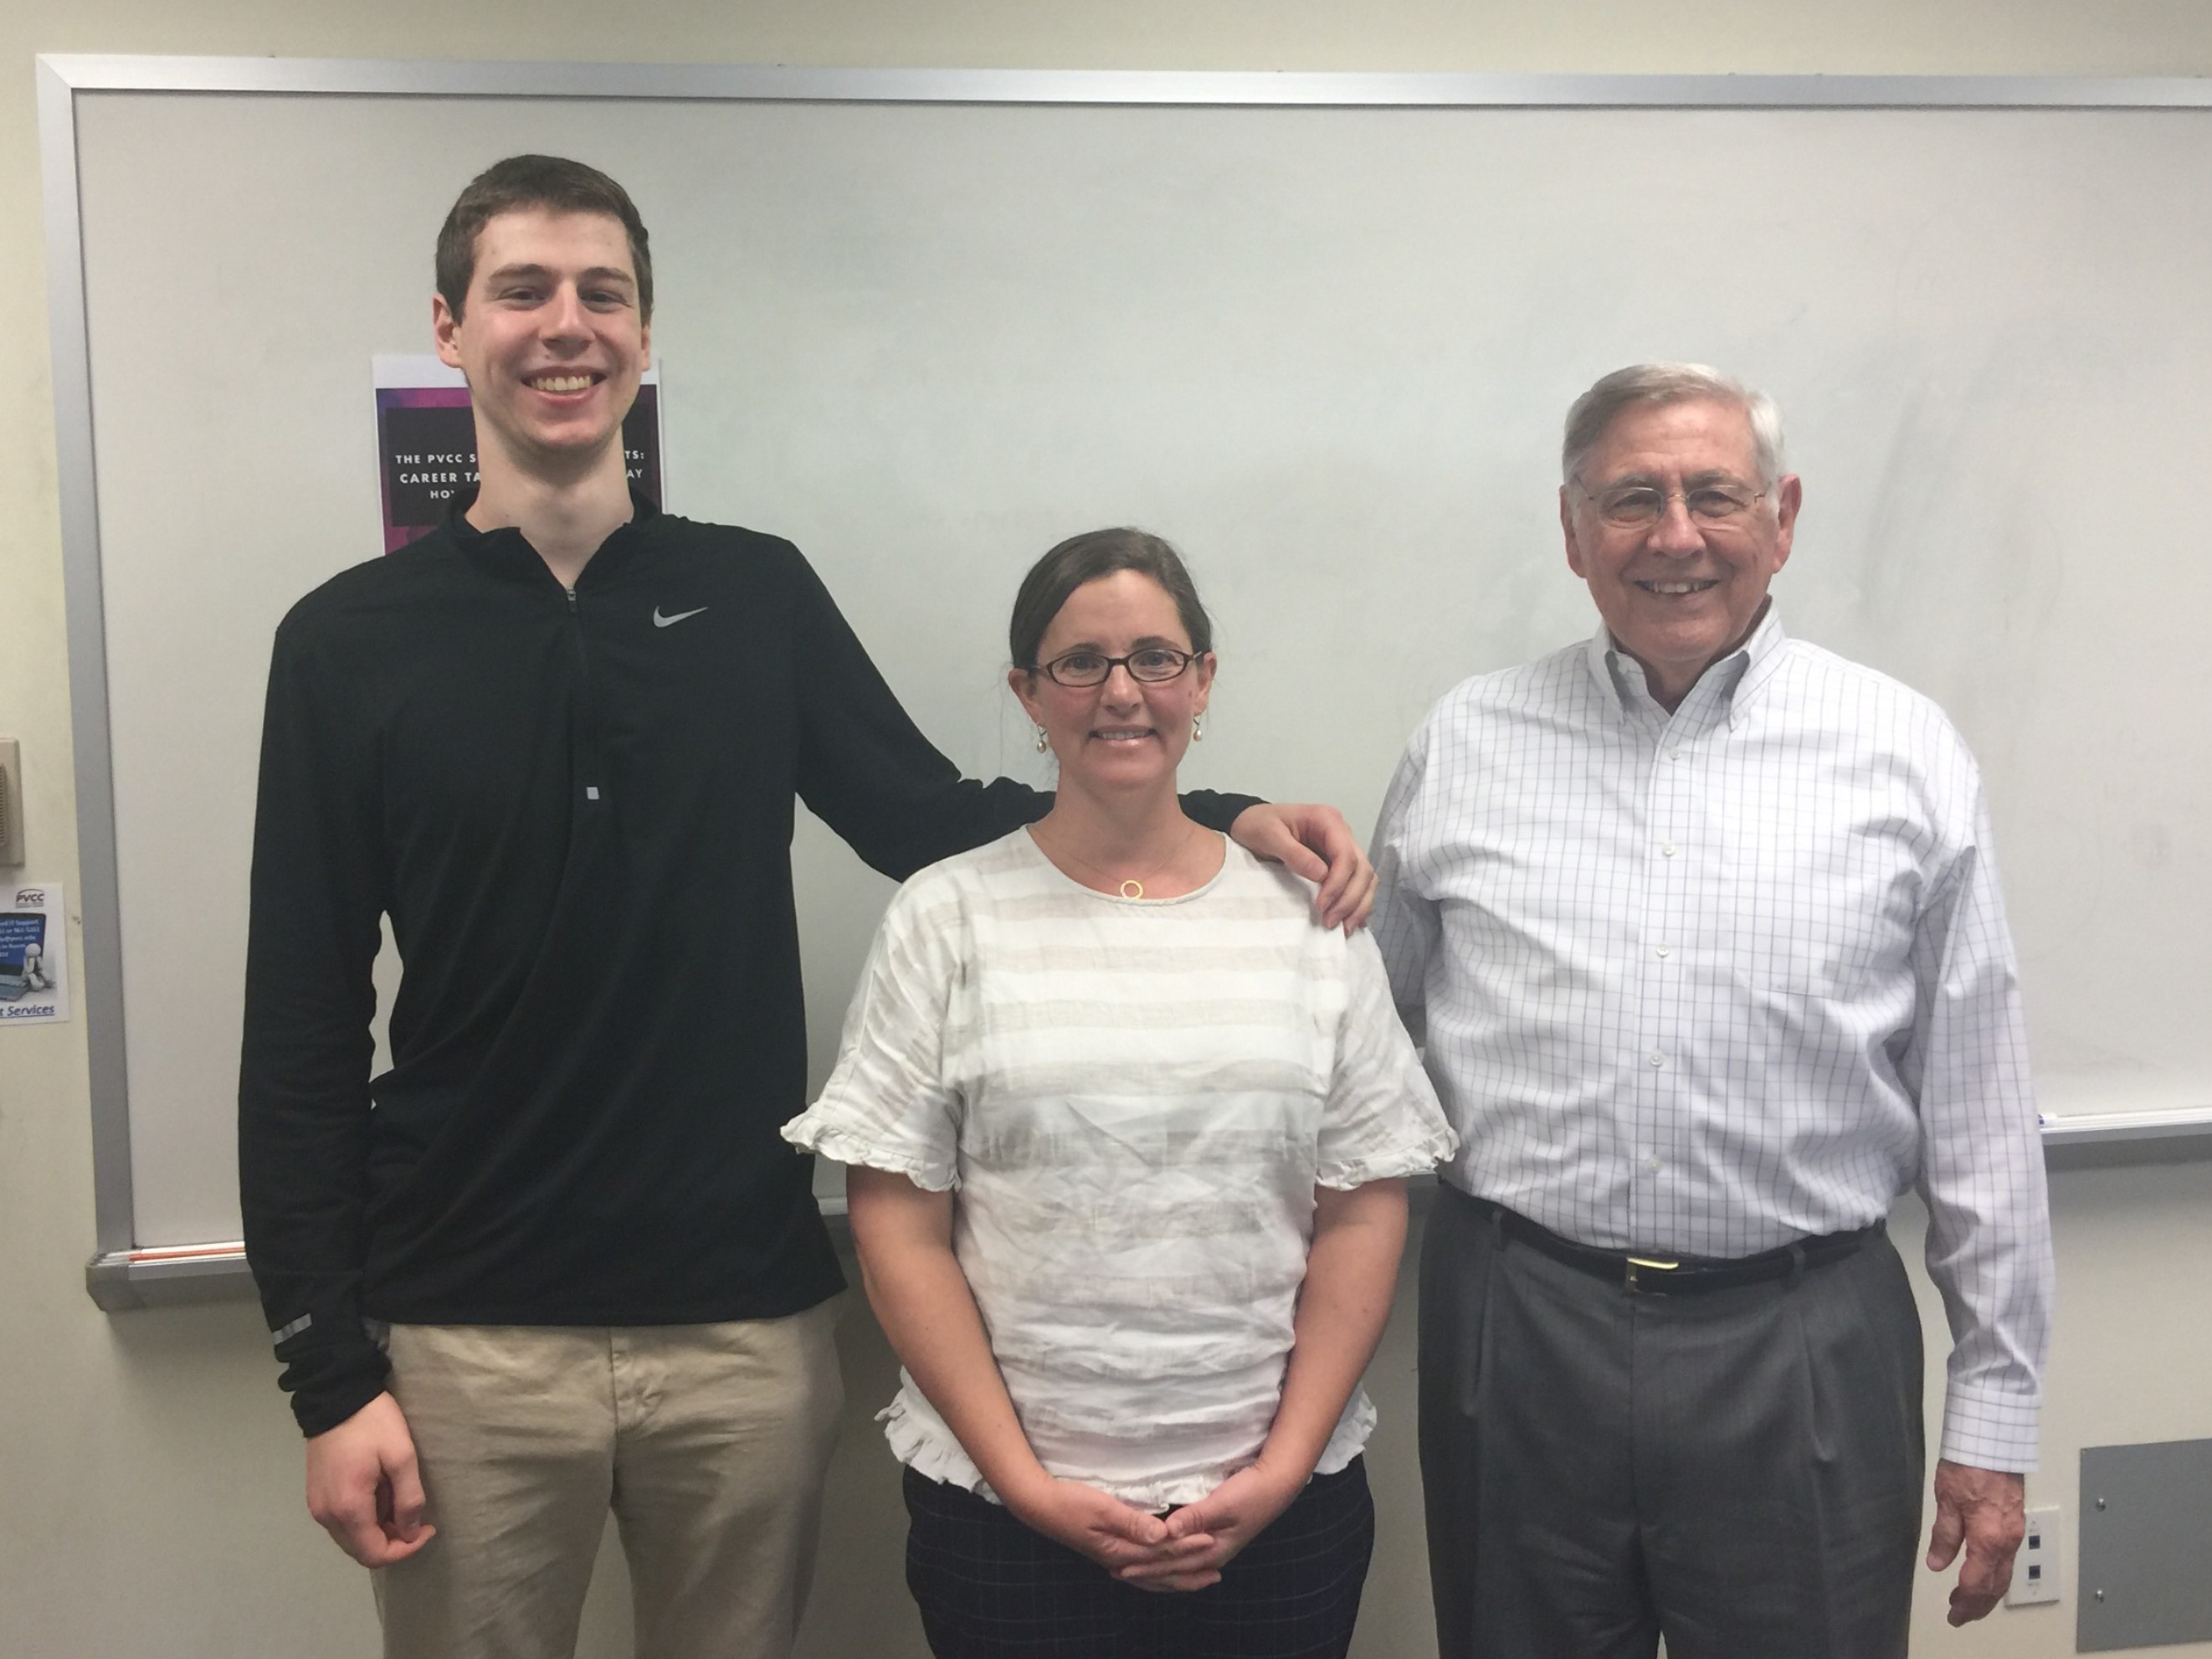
(552, 342)
(1677, 594)
(1127, 733)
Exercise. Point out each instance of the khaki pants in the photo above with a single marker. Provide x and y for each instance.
(708, 1442)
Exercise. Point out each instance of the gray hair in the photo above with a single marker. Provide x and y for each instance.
(1670, 383)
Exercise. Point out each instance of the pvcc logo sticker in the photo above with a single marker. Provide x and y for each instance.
(31, 895)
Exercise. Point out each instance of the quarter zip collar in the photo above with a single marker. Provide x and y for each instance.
(506, 552)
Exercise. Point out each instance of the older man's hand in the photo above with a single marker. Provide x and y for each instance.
(1985, 1509)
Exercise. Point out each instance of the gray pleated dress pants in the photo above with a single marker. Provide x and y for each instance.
(1740, 1470)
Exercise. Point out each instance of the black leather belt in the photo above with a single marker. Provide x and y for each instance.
(1653, 1273)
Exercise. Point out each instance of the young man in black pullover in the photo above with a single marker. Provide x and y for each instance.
(558, 1252)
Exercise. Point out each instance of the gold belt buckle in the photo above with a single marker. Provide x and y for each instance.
(1636, 1261)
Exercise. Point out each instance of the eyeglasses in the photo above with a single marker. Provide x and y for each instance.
(1637, 507)
(1080, 670)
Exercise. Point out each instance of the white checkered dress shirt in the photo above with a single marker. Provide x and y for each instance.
(1710, 982)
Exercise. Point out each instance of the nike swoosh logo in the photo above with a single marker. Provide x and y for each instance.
(659, 621)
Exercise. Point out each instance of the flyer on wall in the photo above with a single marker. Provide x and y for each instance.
(33, 953)
(426, 442)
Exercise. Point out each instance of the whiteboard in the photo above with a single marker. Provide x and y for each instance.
(928, 327)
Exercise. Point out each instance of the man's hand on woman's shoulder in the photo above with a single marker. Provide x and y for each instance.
(1316, 843)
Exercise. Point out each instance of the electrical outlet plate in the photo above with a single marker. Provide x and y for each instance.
(2035, 1569)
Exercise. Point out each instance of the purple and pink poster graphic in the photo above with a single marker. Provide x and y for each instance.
(425, 443)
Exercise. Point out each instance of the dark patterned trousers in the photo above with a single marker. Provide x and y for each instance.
(990, 1588)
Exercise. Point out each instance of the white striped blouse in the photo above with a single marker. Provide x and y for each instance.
(1135, 1100)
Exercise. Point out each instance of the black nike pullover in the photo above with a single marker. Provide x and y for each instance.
(576, 809)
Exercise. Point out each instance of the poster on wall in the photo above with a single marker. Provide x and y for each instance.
(426, 442)
(33, 953)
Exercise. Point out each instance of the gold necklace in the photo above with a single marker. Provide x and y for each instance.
(1132, 887)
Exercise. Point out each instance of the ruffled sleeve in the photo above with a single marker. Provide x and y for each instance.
(1382, 1118)
(887, 1105)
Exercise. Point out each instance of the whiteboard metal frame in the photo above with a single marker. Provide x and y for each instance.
(715, 82)
(121, 1276)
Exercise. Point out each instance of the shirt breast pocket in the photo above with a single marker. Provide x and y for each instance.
(1831, 926)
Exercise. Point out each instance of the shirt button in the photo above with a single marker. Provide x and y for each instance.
(1666, 849)
(1651, 1163)
(1658, 1059)
(1673, 754)
(1664, 950)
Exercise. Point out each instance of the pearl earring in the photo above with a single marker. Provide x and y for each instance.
(1042, 743)
(1198, 728)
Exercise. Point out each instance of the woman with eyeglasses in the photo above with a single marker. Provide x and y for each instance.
(1127, 1133)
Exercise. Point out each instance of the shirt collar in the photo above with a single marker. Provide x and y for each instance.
(1732, 676)
(508, 551)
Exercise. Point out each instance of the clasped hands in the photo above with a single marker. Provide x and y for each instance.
(1182, 1550)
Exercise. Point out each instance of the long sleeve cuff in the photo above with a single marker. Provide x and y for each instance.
(1215, 810)
(1985, 1428)
(330, 1381)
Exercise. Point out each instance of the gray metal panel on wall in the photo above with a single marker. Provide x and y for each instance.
(2146, 1545)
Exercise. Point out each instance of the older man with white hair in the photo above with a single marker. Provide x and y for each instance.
(1699, 927)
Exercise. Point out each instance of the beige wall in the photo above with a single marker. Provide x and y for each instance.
(149, 1471)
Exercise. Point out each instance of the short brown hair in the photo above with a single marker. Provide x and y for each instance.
(1087, 557)
(522, 182)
